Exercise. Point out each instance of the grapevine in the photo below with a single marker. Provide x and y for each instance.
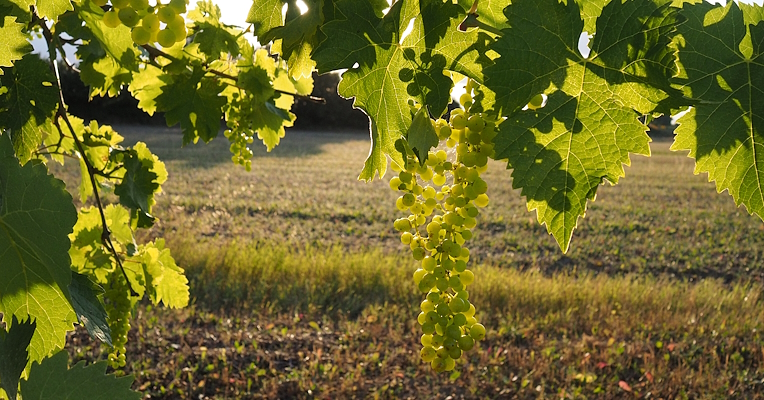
(563, 122)
(440, 224)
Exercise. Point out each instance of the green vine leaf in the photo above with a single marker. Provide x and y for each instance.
(584, 134)
(36, 215)
(724, 131)
(195, 103)
(213, 37)
(166, 282)
(421, 135)
(14, 354)
(109, 57)
(393, 68)
(15, 41)
(489, 12)
(53, 380)
(144, 175)
(49, 9)
(89, 309)
(298, 37)
(30, 100)
(265, 15)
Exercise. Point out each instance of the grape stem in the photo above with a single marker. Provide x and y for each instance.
(154, 53)
(61, 113)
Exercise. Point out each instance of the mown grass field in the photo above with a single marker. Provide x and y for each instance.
(302, 290)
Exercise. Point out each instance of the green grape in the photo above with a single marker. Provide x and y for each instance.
(395, 183)
(111, 19)
(409, 199)
(428, 328)
(428, 354)
(477, 332)
(178, 5)
(166, 38)
(117, 306)
(140, 35)
(150, 22)
(429, 264)
(439, 364)
(418, 275)
(433, 297)
(438, 180)
(458, 122)
(120, 3)
(450, 364)
(467, 277)
(166, 14)
(475, 124)
(402, 224)
(470, 312)
(178, 27)
(128, 16)
(536, 102)
(466, 343)
(453, 332)
(455, 353)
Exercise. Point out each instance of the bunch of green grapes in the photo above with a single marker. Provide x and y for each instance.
(242, 154)
(146, 20)
(443, 198)
(118, 305)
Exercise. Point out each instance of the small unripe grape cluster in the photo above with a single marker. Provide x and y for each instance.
(438, 226)
(146, 20)
(241, 153)
(117, 305)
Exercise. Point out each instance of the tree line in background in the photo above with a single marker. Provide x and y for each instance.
(335, 113)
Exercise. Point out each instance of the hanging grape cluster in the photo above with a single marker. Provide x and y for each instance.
(117, 306)
(438, 226)
(159, 23)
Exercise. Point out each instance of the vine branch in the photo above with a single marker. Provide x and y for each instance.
(61, 114)
(154, 53)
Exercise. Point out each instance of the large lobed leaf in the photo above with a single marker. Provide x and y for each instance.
(723, 58)
(53, 380)
(14, 354)
(15, 41)
(30, 99)
(584, 134)
(393, 67)
(36, 215)
(50, 9)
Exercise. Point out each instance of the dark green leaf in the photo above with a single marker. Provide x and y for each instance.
(31, 99)
(584, 134)
(36, 215)
(195, 103)
(52, 380)
(723, 60)
(89, 309)
(15, 41)
(421, 135)
(144, 174)
(14, 354)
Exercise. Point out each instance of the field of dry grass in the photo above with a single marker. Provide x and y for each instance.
(302, 289)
